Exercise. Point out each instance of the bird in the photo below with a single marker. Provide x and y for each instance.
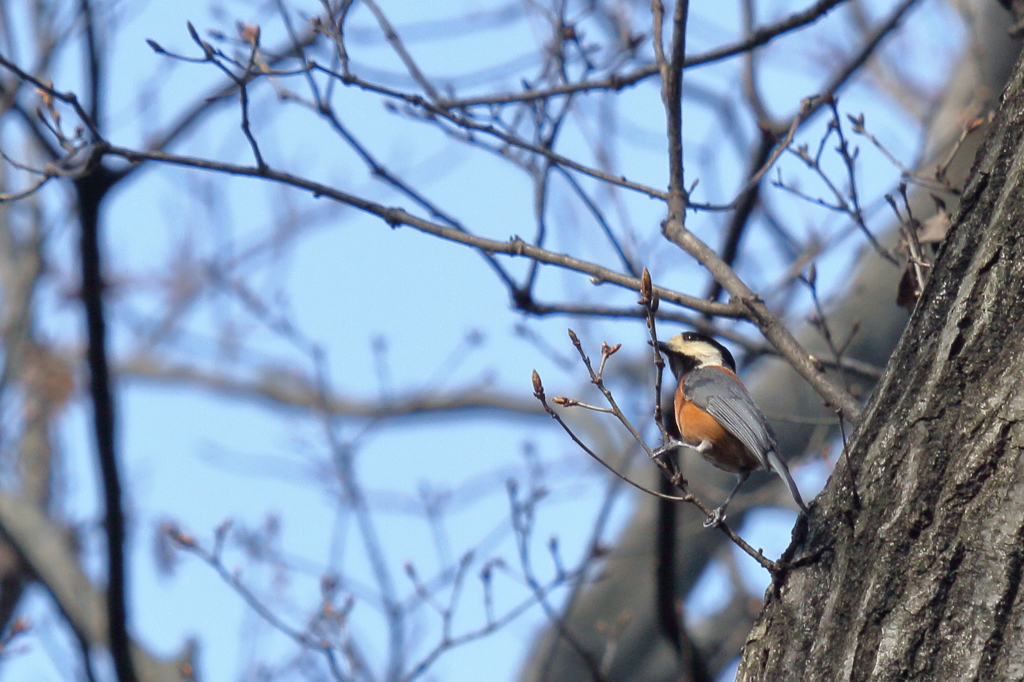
(717, 417)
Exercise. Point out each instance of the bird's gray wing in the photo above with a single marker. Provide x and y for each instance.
(720, 394)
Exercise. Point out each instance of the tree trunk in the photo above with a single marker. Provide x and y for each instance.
(910, 563)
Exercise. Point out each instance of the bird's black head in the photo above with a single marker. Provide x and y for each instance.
(690, 350)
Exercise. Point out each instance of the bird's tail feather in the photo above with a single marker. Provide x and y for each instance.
(783, 471)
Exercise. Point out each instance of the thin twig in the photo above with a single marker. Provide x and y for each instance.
(305, 639)
(538, 392)
(758, 38)
(399, 48)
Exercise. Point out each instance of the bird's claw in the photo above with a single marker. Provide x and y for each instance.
(666, 447)
(703, 447)
(715, 518)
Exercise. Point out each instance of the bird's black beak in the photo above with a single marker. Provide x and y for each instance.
(662, 346)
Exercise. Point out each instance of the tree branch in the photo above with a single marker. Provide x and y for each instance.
(92, 187)
(396, 217)
(44, 548)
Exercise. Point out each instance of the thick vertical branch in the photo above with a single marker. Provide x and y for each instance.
(672, 95)
(91, 189)
(93, 56)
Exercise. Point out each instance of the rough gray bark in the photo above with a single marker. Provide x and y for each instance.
(627, 585)
(911, 564)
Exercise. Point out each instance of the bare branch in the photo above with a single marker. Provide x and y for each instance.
(44, 548)
(396, 217)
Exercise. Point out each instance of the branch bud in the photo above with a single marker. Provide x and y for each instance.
(178, 536)
(250, 33)
(20, 624)
(646, 288)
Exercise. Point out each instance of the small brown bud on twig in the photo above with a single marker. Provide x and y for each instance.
(207, 49)
(812, 275)
(46, 95)
(538, 388)
(20, 624)
(575, 339)
(646, 288)
(607, 350)
(250, 33)
(178, 536)
(975, 124)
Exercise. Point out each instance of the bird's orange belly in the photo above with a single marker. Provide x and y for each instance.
(727, 452)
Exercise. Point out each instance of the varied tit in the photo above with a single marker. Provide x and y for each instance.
(717, 417)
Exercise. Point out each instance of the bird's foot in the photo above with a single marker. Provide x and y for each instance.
(667, 446)
(715, 518)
